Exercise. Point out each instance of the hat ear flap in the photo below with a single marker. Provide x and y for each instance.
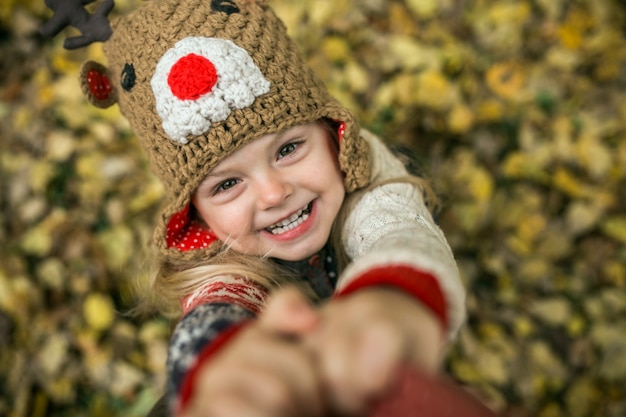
(97, 85)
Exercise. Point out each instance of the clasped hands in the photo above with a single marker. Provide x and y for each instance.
(335, 360)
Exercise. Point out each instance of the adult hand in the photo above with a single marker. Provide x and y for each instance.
(364, 337)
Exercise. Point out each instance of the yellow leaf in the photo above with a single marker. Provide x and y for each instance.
(406, 89)
(289, 12)
(89, 165)
(481, 185)
(52, 273)
(530, 227)
(562, 138)
(384, 95)
(554, 311)
(424, 8)
(409, 54)
(615, 272)
(62, 63)
(500, 26)
(523, 327)
(460, 118)
(98, 311)
(466, 371)
(555, 243)
(52, 355)
(581, 216)
(593, 156)
(489, 110)
(512, 13)
(571, 32)
(7, 299)
(125, 379)
(357, 77)
(564, 181)
(469, 215)
(323, 11)
(506, 79)
(615, 227)
(60, 145)
(576, 325)
(37, 241)
(524, 165)
(492, 366)
(435, 91)
(22, 118)
(118, 245)
(551, 409)
(552, 8)
(582, 396)
(403, 21)
(336, 48)
(549, 366)
(534, 269)
(41, 173)
(151, 194)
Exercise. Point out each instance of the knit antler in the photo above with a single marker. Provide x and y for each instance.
(93, 27)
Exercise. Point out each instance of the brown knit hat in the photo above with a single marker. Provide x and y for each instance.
(198, 80)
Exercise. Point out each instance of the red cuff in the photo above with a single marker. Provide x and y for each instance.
(422, 285)
(186, 389)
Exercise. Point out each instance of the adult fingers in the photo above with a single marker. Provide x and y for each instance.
(289, 312)
(274, 373)
(358, 364)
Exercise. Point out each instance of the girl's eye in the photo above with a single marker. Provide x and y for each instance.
(226, 185)
(288, 149)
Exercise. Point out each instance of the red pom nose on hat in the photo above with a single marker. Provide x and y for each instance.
(191, 77)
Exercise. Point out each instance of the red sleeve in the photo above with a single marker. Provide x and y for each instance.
(422, 285)
(207, 353)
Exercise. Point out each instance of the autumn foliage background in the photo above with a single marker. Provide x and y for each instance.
(516, 110)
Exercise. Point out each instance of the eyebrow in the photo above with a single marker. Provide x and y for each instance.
(277, 138)
(214, 174)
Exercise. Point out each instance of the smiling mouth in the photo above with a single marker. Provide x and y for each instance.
(291, 222)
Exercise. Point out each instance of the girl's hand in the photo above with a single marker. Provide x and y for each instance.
(363, 338)
(265, 370)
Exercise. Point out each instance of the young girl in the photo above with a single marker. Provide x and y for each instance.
(270, 181)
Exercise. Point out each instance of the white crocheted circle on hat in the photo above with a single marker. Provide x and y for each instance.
(200, 81)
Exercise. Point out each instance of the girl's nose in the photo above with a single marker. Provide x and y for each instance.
(274, 189)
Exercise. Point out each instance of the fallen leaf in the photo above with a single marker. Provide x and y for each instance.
(98, 311)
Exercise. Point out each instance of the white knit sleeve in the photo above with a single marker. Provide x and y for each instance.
(391, 225)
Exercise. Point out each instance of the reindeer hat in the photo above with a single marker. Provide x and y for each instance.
(198, 80)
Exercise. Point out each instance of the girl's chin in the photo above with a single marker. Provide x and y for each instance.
(295, 255)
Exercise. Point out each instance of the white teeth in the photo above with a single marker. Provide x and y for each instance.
(290, 223)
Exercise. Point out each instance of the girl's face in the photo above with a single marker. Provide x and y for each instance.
(277, 196)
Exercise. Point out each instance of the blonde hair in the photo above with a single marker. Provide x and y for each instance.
(170, 282)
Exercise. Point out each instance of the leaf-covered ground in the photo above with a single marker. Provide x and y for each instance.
(516, 110)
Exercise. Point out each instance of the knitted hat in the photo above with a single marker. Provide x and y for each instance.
(200, 79)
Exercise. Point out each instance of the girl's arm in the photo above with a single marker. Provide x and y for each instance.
(212, 315)
(391, 238)
(227, 357)
(399, 300)
(196, 339)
